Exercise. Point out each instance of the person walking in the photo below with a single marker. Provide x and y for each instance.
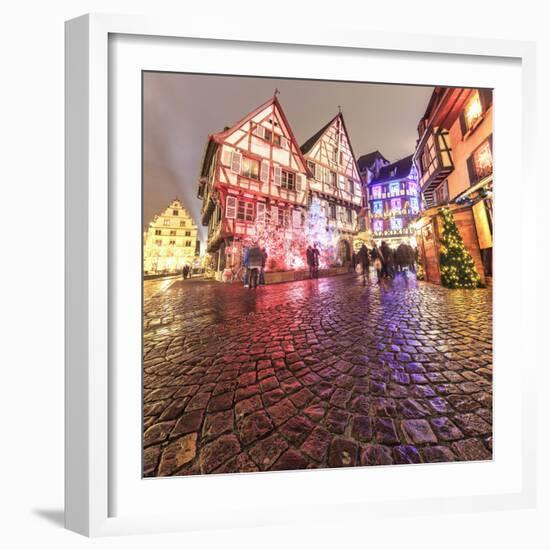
(246, 269)
(255, 258)
(315, 256)
(309, 260)
(185, 272)
(262, 269)
(364, 262)
(377, 262)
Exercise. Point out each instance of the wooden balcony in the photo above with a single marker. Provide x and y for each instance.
(434, 161)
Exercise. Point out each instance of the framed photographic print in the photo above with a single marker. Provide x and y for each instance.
(285, 290)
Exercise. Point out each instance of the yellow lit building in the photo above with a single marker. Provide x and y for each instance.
(170, 241)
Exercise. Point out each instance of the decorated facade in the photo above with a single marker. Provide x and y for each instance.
(454, 157)
(393, 197)
(253, 185)
(170, 241)
(335, 190)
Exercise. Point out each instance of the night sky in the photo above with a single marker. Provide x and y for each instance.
(181, 110)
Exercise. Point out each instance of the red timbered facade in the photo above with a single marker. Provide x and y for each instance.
(335, 186)
(253, 185)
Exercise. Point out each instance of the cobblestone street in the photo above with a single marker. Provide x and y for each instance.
(314, 374)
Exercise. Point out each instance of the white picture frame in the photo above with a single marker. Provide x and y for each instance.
(96, 489)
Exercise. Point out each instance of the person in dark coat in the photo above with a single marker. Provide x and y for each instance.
(262, 269)
(315, 258)
(309, 260)
(402, 257)
(364, 262)
(387, 259)
(255, 259)
(185, 271)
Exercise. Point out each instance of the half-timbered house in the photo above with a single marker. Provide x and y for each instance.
(335, 187)
(253, 184)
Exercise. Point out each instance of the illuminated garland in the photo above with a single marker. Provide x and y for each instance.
(457, 265)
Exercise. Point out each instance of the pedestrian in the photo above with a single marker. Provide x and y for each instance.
(402, 257)
(377, 262)
(309, 260)
(185, 271)
(262, 269)
(363, 261)
(315, 257)
(255, 258)
(245, 265)
(386, 257)
(354, 260)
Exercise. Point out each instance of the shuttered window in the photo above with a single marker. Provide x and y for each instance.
(277, 175)
(231, 207)
(259, 131)
(260, 212)
(264, 173)
(236, 160)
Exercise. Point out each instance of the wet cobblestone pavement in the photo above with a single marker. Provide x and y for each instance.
(315, 374)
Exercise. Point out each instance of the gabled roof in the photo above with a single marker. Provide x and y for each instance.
(308, 145)
(394, 171)
(220, 137)
(367, 161)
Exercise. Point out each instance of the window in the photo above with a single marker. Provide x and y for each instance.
(480, 164)
(332, 211)
(188, 233)
(396, 224)
(172, 233)
(414, 205)
(172, 243)
(158, 242)
(472, 111)
(182, 223)
(378, 226)
(158, 232)
(188, 243)
(441, 194)
(333, 178)
(341, 158)
(349, 216)
(378, 207)
(311, 166)
(175, 212)
(351, 187)
(277, 140)
(245, 211)
(377, 192)
(333, 154)
(250, 168)
(396, 205)
(231, 207)
(268, 134)
(395, 189)
(166, 221)
(287, 180)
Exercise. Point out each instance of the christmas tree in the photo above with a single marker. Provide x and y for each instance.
(457, 266)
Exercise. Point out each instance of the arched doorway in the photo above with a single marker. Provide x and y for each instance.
(344, 252)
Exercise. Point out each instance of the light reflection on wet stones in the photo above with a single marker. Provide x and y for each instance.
(315, 374)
